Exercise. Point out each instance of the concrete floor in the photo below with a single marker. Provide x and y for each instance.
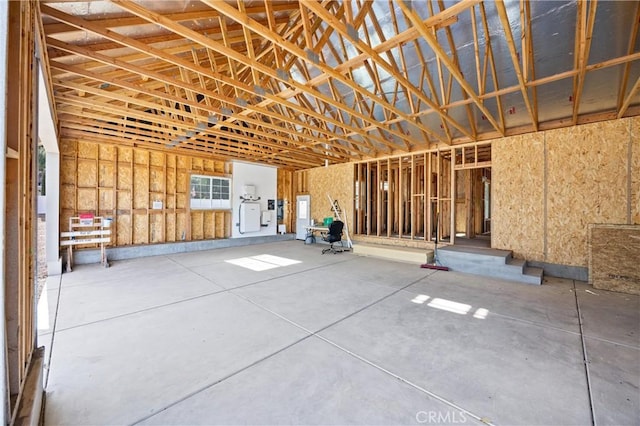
(334, 339)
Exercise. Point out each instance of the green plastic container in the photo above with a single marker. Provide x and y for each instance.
(328, 221)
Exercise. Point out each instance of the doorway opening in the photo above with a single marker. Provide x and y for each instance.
(473, 207)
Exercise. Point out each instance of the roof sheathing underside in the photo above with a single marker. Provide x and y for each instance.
(296, 83)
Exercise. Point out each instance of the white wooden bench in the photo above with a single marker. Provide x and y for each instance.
(83, 232)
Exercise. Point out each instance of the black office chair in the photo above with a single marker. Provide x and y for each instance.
(333, 236)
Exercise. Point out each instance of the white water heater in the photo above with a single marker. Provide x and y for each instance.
(249, 217)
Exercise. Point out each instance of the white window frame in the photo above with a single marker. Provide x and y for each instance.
(210, 202)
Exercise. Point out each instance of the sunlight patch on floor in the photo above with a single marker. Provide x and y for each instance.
(262, 262)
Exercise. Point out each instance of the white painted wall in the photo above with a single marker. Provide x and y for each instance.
(265, 180)
(49, 139)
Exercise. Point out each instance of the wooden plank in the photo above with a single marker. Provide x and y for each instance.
(85, 233)
(84, 241)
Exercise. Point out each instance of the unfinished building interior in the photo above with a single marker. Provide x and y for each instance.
(502, 135)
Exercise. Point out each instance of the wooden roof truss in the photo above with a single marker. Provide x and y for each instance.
(296, 84)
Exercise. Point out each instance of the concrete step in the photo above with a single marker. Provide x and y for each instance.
(489, 262)
(402, 254)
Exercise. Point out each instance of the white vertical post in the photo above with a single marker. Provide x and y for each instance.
(4, 23)
(48, 138)
(54, 262)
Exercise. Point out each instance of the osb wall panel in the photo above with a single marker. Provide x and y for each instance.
(587, 183)
(335, 181)
(613, 257)
(122, 182)
(517, 189)
(635, 170)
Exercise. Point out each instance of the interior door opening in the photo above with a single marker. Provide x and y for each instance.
(473, 207)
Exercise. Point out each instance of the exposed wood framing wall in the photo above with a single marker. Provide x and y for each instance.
(548, 187)
(335, 181)
(286, 193)
(407, 197)
(19, 214)
(123, 182)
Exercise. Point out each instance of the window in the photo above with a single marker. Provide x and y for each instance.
(209, 192)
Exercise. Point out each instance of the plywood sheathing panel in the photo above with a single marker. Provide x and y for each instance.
(517, 186)
(124, 200)
(156, 158)
(181, 201)
(196, 164)
(88, 150)
(106, 200)
(140, 229)
(183, 162)
(222, 230)
(140, 156)
(125, 177)
(67, 199)
(170, 226)
(68, 170)
(123, 182)
(156, 228)
(635, 170)
(141, 182)
(613, 257)
(587, 183)
(106, 174)
(335, 181)
(68, 147)
(87, 173)
(123, 234)
(171, 160)
(125, 154)
(156, 180)
(197, 225)
(87, 200)
(106, 152)
(209, 224)
(181, 226)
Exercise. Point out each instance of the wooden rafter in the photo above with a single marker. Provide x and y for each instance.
(390, 69)
(502, 13)
(439, 51)
(627, 101)
(627, 68)
(584, 30)
(160, 77)
(238, 57)
(293, 83)
(296, 51)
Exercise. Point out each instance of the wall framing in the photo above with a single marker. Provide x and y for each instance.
(122, 182)
(546, 188)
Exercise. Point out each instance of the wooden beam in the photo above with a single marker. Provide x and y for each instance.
(412, 90)
(439, 51)
(504, 19)
(188, 65)
(627, 68)
(627, 101)
(233, 13)
(584, 31)
(295, 50)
